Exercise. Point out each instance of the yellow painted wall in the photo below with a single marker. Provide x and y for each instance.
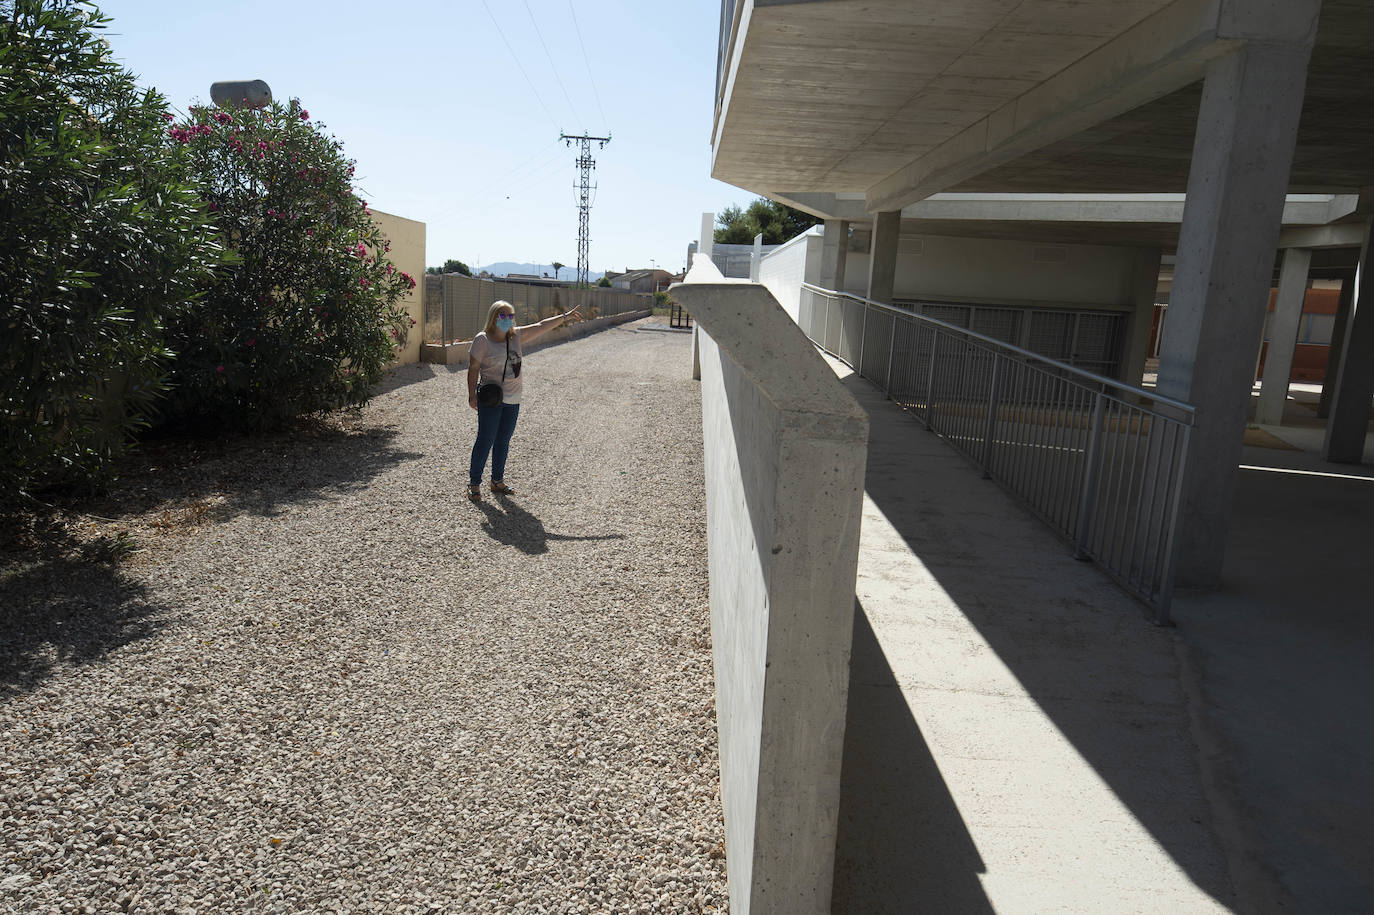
(407, 238)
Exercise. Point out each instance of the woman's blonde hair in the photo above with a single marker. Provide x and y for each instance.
(492, 312)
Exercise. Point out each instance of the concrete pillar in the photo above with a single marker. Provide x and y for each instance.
(834, 251)
(882, 255)
(1333, 356)
(708, 233)
(1283, 335)
(756, 258)
(1349, 420)
(1242, 153)
(1146, 282)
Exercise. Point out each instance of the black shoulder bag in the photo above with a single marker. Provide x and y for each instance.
(489, 393)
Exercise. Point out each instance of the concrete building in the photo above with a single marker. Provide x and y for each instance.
(986, 162)
(1199, 96)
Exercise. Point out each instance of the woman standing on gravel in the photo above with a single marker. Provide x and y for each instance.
(495, 358)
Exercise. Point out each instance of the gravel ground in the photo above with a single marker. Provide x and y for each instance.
(327, 682)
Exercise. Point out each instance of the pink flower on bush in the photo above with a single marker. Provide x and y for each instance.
(407, 277)
(166, 116)
(305, 115)
(220, 369)
(362, 281)
(252, 340)
(213, 206)
(389, 269)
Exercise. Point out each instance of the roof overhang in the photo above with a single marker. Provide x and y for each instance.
(895, 100)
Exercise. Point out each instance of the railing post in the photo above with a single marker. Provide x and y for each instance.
(991, 428)
(1166, 584)
(863, 337)
(443, 309)
(825, 337)
(930, 381)
(891, 349)
(1088, 498)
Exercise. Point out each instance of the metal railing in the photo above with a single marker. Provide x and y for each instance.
(1099, 461)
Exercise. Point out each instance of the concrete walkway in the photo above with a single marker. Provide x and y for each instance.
(1020, 737)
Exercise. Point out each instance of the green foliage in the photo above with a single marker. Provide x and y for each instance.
(557, 267)
(451, 266)
(101, 238)
(307, 316)
(778, 222)
(662, 298)
(604, 283)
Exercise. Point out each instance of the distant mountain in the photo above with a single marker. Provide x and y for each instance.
(503, 268)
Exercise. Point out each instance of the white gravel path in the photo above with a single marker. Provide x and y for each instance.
(345, 688)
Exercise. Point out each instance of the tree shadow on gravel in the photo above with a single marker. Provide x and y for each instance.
(60, 607)
(518, 528)
(202, 479)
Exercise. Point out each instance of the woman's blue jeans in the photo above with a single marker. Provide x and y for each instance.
(495, 426)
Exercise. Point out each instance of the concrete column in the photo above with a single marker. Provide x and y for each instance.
(1333, 356)
(882, 255)
(1349, 420)
(708, 233)
(1146, 282)
(1283, 335)
(834, 249)
(756, 258)
(1246, 130)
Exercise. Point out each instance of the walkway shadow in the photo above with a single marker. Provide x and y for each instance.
(512, 525)
(902, 845)
(61, 609)
(1082, 650)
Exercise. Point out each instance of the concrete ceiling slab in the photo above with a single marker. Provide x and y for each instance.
(842, 96)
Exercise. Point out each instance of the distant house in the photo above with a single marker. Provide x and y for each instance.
(649, 280)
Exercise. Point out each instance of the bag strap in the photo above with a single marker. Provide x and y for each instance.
(505, 364)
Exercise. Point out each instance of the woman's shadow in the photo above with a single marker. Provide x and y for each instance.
(518, 528)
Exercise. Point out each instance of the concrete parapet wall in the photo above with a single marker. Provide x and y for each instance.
(457, 353)
(785, 449)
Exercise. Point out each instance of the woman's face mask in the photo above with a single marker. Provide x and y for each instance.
(504, 323)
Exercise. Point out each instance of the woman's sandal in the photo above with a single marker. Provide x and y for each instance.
(501, 489)
(475, 493)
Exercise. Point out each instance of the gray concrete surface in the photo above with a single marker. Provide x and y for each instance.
(784, 451)
(1283, 652)
(1020, 739)
(1019, 735)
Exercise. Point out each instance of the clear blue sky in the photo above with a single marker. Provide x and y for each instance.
(447, 130)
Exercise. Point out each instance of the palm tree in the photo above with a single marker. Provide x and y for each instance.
(557, 267)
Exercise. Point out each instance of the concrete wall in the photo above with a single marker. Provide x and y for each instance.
(785, 449)
(1001, 271)
(457, 353)
(788, 266)
(407, 238)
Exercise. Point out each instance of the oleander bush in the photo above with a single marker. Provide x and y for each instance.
(103, 242)
(308, 314)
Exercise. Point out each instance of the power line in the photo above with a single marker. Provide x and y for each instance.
(585, 164)
(553, 66)
(505, 180)
(597, 95)
(516, 58)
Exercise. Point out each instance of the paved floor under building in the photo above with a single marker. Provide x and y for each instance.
(1023, 739)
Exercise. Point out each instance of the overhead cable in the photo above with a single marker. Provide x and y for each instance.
(553, 66)
(597, 95)
(516, 58)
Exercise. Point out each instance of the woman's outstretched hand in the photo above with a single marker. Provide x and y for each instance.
(472, 401)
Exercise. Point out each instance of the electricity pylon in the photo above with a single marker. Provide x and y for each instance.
(584, 187)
